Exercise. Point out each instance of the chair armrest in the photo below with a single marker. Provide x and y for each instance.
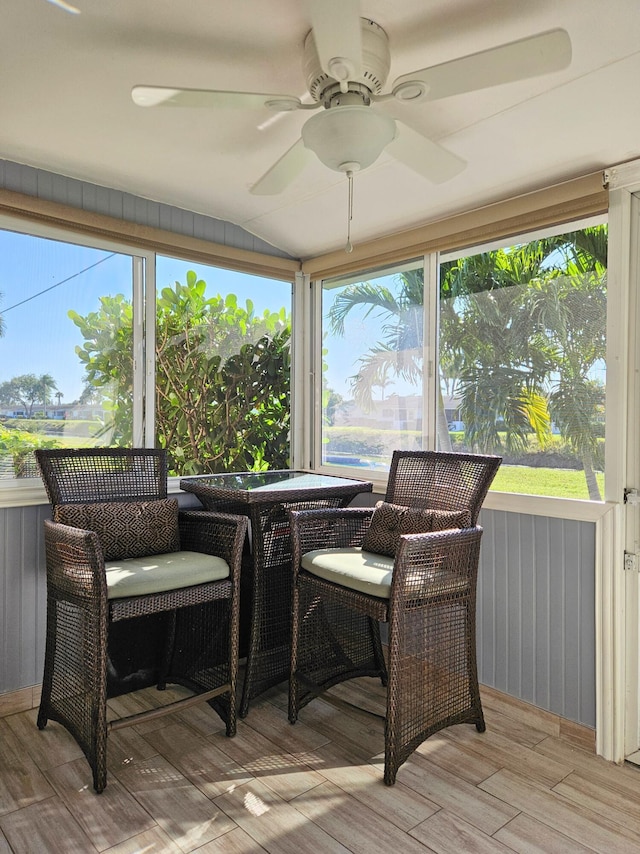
(435, 566)
(210, 532)
(337, 527)
(75, 564)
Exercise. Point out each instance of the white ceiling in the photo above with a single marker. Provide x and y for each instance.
(65, 106)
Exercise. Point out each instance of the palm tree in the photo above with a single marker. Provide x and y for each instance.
(46, 386)
(521, 331)
(482, 333)
(572, 313)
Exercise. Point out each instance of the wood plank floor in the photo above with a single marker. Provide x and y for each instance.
(177, 784)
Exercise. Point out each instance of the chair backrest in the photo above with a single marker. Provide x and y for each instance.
(441, 480)
(90, 475)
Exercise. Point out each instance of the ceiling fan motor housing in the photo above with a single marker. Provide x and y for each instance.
(376, 61)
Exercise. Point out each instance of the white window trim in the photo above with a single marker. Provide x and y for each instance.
(617, 595)
(25, 492)
(534, 505)
(148, 404)
(431, 326)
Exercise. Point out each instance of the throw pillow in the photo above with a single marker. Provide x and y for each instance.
(444, 519)
(390, 521)
(127, 528)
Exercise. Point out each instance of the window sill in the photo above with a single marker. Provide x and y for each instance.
(22, 492)
(30, 491)
(534, 505)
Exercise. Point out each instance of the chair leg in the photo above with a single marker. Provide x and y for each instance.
(293, 682)
(472, 669)
(167, 655)
(390, 769)
(376, 643)
(76, 695)
(99, 764)
(233, 655)
(97, 728)
(49, 658)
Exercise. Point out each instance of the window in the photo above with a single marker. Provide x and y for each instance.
(200, 366)
(521, 356)
(522, 360)
(55, 297)
(222, 368)
(372, 366)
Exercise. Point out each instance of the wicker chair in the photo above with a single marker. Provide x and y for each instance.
(119, 549)
(411, 563)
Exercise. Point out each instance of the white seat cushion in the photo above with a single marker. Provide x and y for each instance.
(140, 576)
(352, 567)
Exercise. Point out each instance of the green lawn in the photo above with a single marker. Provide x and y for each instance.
(77, 442)
(562, 483)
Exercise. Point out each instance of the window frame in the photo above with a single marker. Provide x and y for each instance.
(30, 491)
(537, 505)
(561, 203)
(23, 492)
(429, 349)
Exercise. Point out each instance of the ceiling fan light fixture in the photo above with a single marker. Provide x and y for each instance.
(348, 138)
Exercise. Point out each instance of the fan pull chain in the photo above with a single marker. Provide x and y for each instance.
(349, 246)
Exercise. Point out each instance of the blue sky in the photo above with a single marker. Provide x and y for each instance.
(362, 331)
(40, 280)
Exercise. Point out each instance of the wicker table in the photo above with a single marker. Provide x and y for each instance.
(265, 497)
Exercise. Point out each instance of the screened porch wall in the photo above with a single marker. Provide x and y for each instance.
(536, 611)
(536, 625)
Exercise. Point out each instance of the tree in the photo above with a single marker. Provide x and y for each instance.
(107, 355)
(27, 390)
(521, 332)
(222, 377)
(501, 359)
(573, 317)
(46, 387)
(400, 352)
(528, 325)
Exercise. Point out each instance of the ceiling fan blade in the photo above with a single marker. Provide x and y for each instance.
(338, 36)
(284, 171)
(424, 156)
(61, 4)
(160, 96)
(530, 57)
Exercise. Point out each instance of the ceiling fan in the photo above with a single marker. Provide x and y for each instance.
(346, 59)
(67, 7)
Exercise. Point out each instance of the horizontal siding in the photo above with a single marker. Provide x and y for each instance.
(100, 200)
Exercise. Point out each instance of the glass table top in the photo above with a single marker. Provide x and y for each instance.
(268, 481)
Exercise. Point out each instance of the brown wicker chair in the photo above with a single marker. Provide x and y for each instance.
(118, 549)
(423, 586)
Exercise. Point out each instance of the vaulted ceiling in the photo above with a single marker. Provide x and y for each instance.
(66, 106)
